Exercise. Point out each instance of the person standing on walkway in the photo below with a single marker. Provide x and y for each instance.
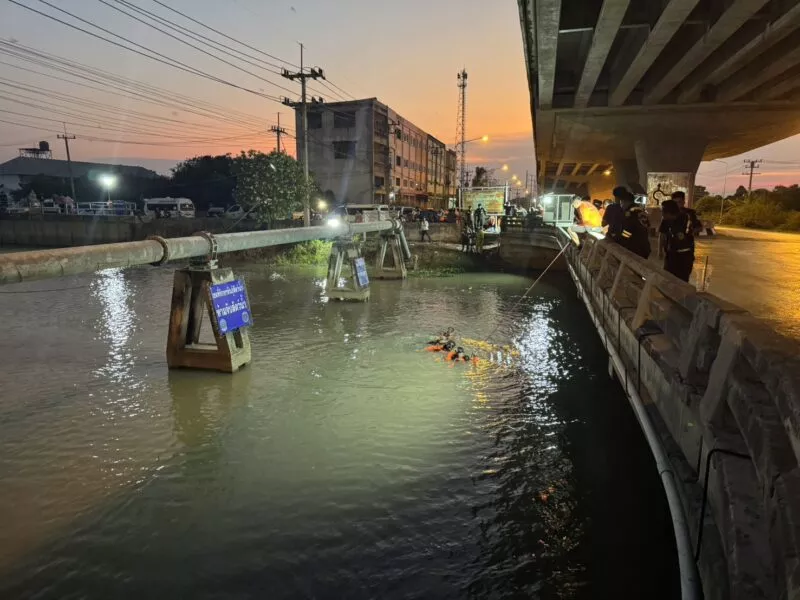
(614, 215)
(480, 217)
(677, 240)
(635, 234)
(424, 230)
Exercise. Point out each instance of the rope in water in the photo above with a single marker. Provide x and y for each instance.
(528, 291)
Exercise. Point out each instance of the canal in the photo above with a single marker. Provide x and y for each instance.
(342, 463)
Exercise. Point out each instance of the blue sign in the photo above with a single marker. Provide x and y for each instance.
(361, 272)
(229, 300)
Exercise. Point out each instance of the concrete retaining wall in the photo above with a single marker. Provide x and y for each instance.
(57, 231)
(440, 232)
(715, 379)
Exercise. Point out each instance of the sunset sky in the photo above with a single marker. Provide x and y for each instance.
(405, 53)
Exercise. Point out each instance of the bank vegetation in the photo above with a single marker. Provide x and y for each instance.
(777, 209)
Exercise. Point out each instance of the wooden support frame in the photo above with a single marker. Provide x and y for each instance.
(191, 296)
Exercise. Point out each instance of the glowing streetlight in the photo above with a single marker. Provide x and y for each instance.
(322, 205)
(108, 181)
(505, 167)
(607, 172)
(485, 138)
(514, 177)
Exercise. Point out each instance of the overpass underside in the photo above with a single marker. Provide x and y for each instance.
(620, 88)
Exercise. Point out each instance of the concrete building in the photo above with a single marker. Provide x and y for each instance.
(622, 88)
(363, 152)
(18, 171)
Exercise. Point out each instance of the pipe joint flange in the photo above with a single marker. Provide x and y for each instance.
(165, 245)
(211, 257)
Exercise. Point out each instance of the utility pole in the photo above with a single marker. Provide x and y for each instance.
(461, 133)
(751, 165)
(313, 73)
(278, 131)
(66, 139)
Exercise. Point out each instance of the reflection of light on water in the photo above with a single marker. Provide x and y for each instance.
(113, 291)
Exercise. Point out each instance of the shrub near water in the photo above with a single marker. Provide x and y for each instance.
(312, 253)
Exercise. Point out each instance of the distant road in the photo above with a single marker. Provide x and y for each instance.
(758, 270)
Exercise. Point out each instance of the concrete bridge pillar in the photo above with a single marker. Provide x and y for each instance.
(670, 155)
(626, 172)
(600, 188)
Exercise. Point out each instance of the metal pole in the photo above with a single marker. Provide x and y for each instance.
(306, 210)
(66, 139)
(17, 267)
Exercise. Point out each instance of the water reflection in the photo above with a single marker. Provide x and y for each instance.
(528, 528)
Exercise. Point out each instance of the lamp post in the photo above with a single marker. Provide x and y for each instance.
(724, 189)
(108, 181)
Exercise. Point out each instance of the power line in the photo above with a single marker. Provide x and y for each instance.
(163, 59)
(143, 92)
(226, 36)
(198, 48)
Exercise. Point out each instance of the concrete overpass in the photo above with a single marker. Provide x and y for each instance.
(620, 88)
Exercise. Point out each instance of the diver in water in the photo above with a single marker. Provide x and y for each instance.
(458, 355)
(437, 347)
(443, 337)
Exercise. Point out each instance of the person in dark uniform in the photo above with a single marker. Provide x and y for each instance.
(613, 214)
(680, 199)
(677, 240)
(635, 227)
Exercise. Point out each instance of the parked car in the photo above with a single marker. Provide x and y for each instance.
(234, 212)
(215, 211)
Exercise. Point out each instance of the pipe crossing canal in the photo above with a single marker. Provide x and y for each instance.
(341, 462)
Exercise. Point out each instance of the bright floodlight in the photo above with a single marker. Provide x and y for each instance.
(322, 204)
(607, 172)
(107, 180)
(334, 222)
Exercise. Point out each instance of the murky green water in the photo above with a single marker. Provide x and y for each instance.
(342, 463)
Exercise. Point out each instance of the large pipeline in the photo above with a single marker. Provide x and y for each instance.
(16, 267)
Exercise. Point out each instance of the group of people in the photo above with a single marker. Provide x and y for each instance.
(445, 342)
(627, 224)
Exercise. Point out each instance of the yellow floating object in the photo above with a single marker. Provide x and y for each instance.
(487, 347)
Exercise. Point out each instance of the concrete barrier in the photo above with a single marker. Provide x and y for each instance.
(440, 232)
(59, 231)
(724, 390)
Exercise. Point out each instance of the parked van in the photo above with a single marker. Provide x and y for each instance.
(370, 212)
(169, 207)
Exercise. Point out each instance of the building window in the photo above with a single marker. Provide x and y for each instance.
(344, 149)
(315, 120)
(344, 120)
(405, 182)
(405, 163)
(397, 182)
(379, 181)
(399, 161)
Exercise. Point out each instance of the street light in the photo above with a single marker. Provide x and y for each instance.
(108, 181)
(607, 172)
(724, 189)
(322, 205)
(505, 168)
